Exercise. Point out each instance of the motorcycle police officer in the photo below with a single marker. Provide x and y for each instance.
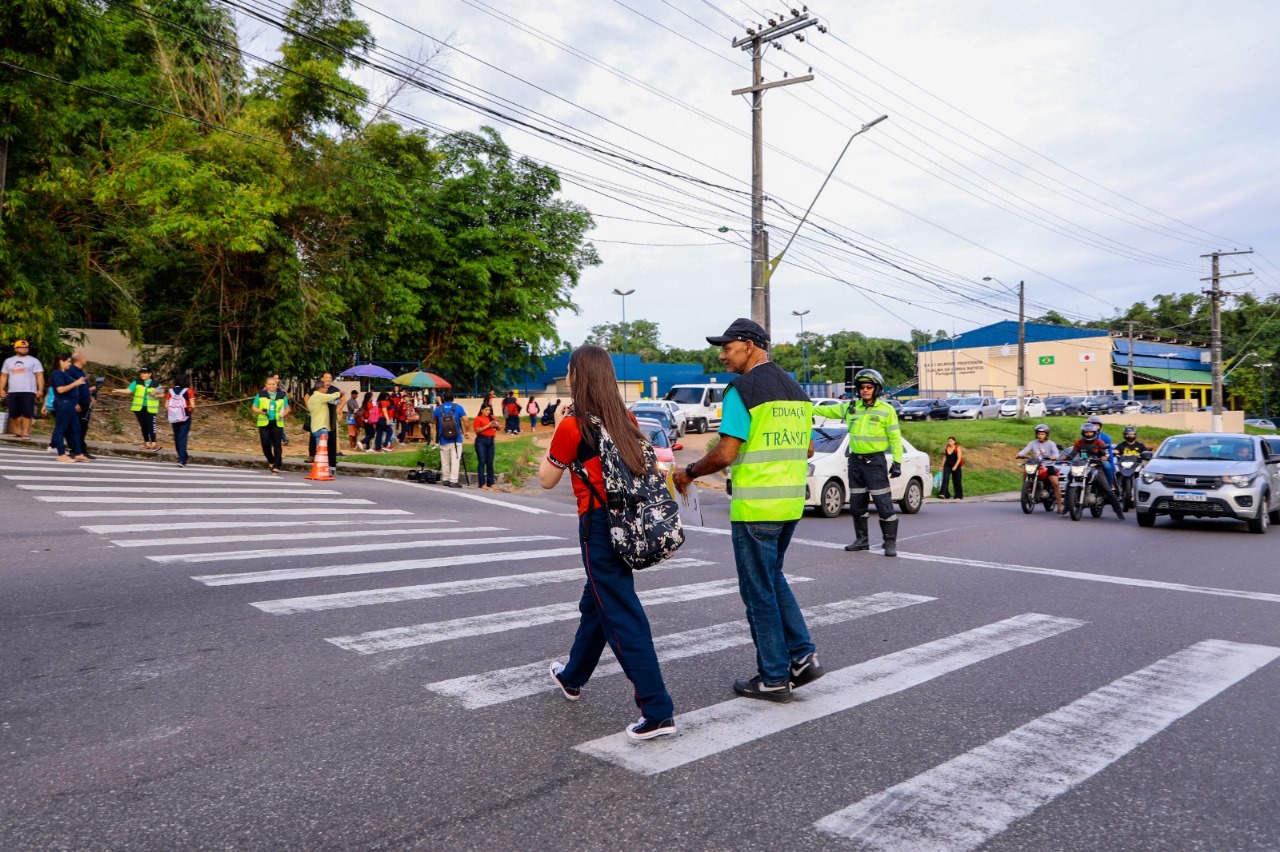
(873, 430)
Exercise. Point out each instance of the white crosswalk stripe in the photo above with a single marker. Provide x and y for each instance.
(282, 552)
(497, 687)
(255, 511)
(399, 638)
(379, 567)
(345, 600)
(199, 492)
(121, 529)
(134, 480)
(405, 528)
(711, 730)
(963, 803)
(154, 501)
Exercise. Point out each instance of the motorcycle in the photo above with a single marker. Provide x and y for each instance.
(1127, 470)
(1082, 490)
(1035, 484)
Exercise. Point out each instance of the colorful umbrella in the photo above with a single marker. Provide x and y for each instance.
(367, 371)
(421, 379)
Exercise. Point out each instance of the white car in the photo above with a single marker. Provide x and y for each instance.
(1032, 407)
(672, 409)
(973, 408)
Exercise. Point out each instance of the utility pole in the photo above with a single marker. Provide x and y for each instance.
(1022, 346)
(755, 41)
(1215, 334)
(1130, 323)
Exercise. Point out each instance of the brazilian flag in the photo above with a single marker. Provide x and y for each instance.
(1046, 360)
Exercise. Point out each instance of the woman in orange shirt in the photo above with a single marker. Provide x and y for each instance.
(485, 426)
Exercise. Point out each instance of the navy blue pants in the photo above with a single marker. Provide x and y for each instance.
(611, 612)
(66, 428)
(484, 459)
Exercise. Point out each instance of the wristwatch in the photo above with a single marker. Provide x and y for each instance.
(688, 470)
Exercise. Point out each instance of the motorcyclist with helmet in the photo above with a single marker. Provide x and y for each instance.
(873, 431)
(1108, 465)
(1130, 446)
(1095, 448)
(1042, 449)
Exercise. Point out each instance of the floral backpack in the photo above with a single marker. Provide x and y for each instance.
(644, 519)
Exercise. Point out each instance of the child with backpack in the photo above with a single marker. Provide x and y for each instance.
(180, 401)
(611, 611)
(532, 409)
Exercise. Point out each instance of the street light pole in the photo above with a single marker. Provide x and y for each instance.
(1022, 339)
(804, 344)
(954, 389)
(1168, 373)
(624, 294)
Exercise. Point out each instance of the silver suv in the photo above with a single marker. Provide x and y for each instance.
(1213, 475)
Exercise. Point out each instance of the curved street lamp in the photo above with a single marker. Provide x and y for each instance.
(804, 344)
(624, 294)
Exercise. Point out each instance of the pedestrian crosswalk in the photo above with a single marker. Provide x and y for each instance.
(962, 803)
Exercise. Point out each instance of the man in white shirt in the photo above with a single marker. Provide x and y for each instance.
(21, 384)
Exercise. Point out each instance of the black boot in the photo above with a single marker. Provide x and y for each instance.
(889, 529)
(861, 542)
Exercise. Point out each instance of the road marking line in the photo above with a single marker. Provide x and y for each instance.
(963, 803)
(457, 492)
(1095, 578)
(382, 546)
(256, 512)
(149, 467)
(720, 727)
(115, 529)
(374, 568)
(168, 501)
(406, 528)
(134, 480)
(201, 490)
(399, 638)
(502, 685)
(344, 600)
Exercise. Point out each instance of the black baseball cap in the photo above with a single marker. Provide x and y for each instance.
(742, 329)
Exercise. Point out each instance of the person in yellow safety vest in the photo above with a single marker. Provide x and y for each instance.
(145, 395)
(873, 431)
(272, 405)
(765, 430)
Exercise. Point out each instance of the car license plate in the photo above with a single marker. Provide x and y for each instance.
(1189, 496)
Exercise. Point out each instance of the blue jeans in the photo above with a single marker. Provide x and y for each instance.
(611, 612)
(66, 428)
(484, 459)
(384, 435)
(181, 431)
(777, 625)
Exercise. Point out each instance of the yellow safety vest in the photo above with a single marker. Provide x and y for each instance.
(142, 396)
(871, 430)
(269, 407)
(771, 466)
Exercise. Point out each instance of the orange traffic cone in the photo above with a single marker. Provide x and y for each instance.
(320, 465)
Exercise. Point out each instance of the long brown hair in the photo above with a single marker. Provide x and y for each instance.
(594, 388)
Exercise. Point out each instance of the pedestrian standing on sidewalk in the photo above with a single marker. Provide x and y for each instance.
(272, 405)
(21, 384)
(486, 428)
(952, 470)
(319, 404)
(371, 415)
(765, 429)
(532, 409)
(351, 411)
(386, 433)
(511, 410)
(66, 426)
(450, 428)
(145, 403)
(611, 610)
(180, 402)
(84, 400)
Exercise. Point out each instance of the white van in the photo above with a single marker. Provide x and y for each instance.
(702, 405)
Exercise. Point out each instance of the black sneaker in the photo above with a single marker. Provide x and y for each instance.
(806, 670)
(757, 688)
(571, 693)
(646, 729)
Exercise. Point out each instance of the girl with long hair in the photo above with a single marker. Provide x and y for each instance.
(486, 427)
(611, 611)
(369, 407)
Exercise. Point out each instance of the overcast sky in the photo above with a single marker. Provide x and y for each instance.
(1094, 149)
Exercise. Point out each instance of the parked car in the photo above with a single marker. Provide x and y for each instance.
(1032, 406)
(1130, 406)
(1102, 404)
(827, 486)
(662, 419)
(974, 408)
(702, 404)
(820, 420)
(1060, 406)
(924, 409)
(1259, 423)
(663, 449)
(672, 409)
(896, 405)
(1152, 408)
(1213, 475)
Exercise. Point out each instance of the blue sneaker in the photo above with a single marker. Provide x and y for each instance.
(571, 693)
